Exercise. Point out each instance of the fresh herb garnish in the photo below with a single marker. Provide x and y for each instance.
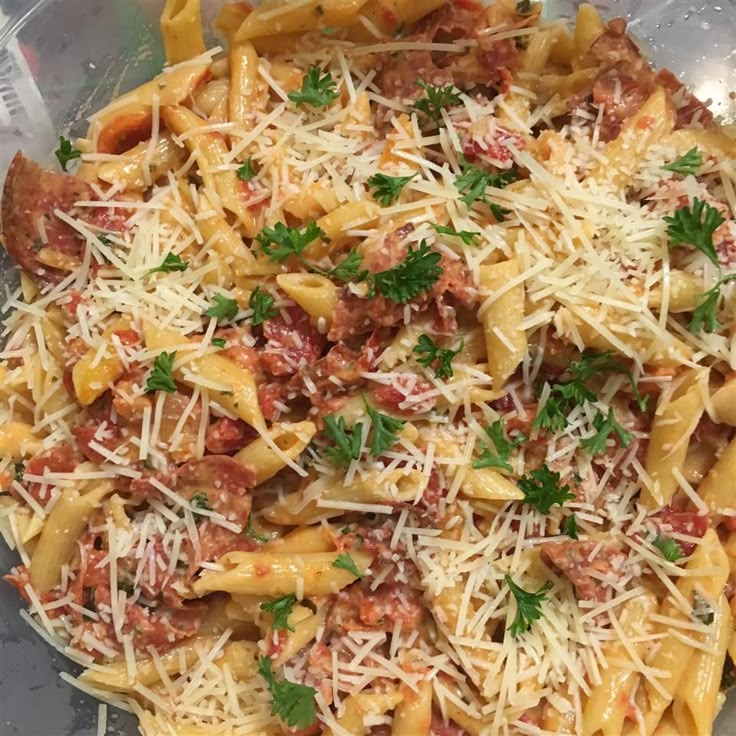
(292, 703)
(467, 236)
(473, 181)
(219, 342)
(503, 449)
(224, 309)
(570, 527)
(345, 562)
(498, 212)
(200, 501)
(528, 606)
(541, 489)
(429, 354)
(347, 441)
(417, 273)
(604, 425)
(702, 609)
(347, 270)
(686, 165)
(262, 305)
(669, 548)
(695, 226)
(387, 189)
(288, 241)
(246, 172)
(19, 469)
(161, 377)
(385, 430)
(705, 314)
(281, 609)
(317, 89)
(435, 100)
(66, 153)
(172, 262)
(252, 533)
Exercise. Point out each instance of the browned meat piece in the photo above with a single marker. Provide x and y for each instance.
(622, 96)
(690, 109)
(32, 194)
(584, 569)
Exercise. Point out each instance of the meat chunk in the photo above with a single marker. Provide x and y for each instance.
(30, 196)
(586, 565)
(226, 435)
(292, 343)
(357, 608)
(689, 523)
(690, 110)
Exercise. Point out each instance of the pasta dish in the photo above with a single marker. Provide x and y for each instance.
(374, 373)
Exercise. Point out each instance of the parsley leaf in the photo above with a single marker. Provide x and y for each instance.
(418, 272)
(345, 562)
(347, 441)
(224, 309)
(246, 172)
(317, 89)
(200, 501)
(528, 606)
(498, 212)
(429, 354)
(385, 430)
(435, 99)
(467, 236)
(291, 702)
(695, 226)
(19, 469)
(503, 447)
(171, 262)
(473, 181)
(290, 241)
(348, 269)
(219, 342)
(604, 425)
(669, 548)
(281, 609)
(705, 314)
(541, 489)
(66, 153)
(687, 164)
(552, 416)
(570, 527)
(252, 533)
(262, 305)
(161, 377)
(387, 189)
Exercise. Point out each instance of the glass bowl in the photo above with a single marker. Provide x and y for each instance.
(60, 60)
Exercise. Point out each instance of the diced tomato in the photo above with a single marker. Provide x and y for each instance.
(689, 523)
(292, 343)
(128, 338)
(75, 300)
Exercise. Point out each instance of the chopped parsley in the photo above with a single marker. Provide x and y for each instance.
(246, 172)
(435, 100)
(503, 449)
(172, 262)
(385, 430)
(541, 489)
(695, 226)
(418, 272)
(66, 153)
(281, 242)
(318, 90)
(219, 342)
(200, 501)
(702, 609)
(604, 425)
(686, 165)
(473, 181)
(347, 270)
(528, 606)
(19, 469)
(387, 189)
(345, 562)
(224, 309)
(252, 533)
(348, 441)
(430, 355)
(262, 305)
(161, 377)
(281, 609)
(570, 527)
(705, 315)
(292, 703)
(668, 547)
(468, 237)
